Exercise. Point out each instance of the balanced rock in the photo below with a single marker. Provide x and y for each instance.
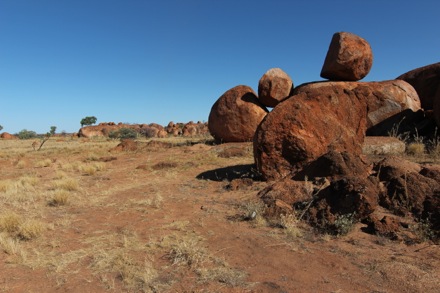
(235, 116)
(308, 125)
(349, 58)
(384, 99)
(426, 82)
(274, 86)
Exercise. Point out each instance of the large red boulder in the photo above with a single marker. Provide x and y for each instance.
(349, 58)
(426, 82)
(274, 86)
(307, 126)
(234, 117)
(384, 99)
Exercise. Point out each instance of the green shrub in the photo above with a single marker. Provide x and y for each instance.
(123, 133)
(26, 134)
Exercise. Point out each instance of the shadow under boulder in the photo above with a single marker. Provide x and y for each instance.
(230, 173)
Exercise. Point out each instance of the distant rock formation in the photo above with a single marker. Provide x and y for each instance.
(6, 135)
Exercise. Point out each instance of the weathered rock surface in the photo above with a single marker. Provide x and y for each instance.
(349, 58)
(234, 117)
(354, 198)
(274, 86)
(382, 145)
(426, 82)
(308, 125)
(336, 165)
(407, 188)
(384, 99)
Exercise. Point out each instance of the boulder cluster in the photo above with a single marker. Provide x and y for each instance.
(152, 130)
(310, 144)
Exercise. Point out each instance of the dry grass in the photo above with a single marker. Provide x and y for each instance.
(416, 149)
(10, 222)
(67, 184)
(290, 225)
(223, 274)
(187, 251)
(59, 198)
(253, 212)
(31, 229)
(43, 163)
(138, 275)
(18, 228)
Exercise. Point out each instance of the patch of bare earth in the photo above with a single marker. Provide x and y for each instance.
(175, 216)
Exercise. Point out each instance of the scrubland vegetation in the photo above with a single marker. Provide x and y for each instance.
(79, 215)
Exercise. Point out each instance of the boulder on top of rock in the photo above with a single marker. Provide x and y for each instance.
(308, 125)
(426, 82)
(384, 99)
(349, 58)
(235, 115)
(274, 86)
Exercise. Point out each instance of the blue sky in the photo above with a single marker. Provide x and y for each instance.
(155, 61)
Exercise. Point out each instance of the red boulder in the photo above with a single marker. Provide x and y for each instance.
(234, 117)
(274, 86)
(349, 58)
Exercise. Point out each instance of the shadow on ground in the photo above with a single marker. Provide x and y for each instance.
(230, 173)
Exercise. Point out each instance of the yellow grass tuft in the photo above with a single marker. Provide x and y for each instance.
(59, 198)
(30, 229)
(43, 163)
(416, 149)
(67, 184)
(10, 222)
(91, 169)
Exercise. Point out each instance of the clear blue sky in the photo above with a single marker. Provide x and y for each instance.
(155, 61)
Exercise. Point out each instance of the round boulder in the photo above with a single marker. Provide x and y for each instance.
(235, 116)
(349, 58)
(274, 86)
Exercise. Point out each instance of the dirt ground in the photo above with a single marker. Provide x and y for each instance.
(78, 216)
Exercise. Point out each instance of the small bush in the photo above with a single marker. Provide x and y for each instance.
(343, 224)
(26, 134)
(123, 133)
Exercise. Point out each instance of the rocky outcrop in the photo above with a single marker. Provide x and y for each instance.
(6, 135)
(274, 86)
(104, 129)
(349, 58)
(234, 117)
(291, 136)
